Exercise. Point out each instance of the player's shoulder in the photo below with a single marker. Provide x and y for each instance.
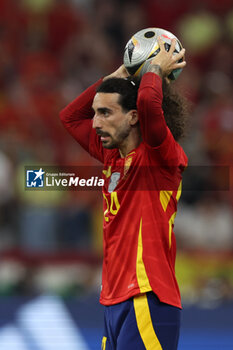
(168, 151)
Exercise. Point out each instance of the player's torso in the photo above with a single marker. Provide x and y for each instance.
(134, 215)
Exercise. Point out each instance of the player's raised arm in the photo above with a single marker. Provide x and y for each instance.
(77, 116)
(150, 96)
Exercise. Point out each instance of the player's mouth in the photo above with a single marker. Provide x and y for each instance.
(104, 138)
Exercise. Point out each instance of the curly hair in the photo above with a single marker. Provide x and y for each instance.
(176, 109)
(127, 88)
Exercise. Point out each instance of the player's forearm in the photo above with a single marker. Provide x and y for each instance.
(155, 68)
(152, 122)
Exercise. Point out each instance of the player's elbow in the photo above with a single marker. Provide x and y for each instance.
(63, 116)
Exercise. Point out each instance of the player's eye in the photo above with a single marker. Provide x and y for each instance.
(104, 112)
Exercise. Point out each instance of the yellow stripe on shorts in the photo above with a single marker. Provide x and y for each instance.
(103, 346)
(144, 323)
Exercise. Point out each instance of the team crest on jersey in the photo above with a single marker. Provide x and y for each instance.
(113, 181)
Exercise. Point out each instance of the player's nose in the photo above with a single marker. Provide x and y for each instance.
(96, 122)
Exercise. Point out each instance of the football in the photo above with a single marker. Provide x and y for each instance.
(143, 46)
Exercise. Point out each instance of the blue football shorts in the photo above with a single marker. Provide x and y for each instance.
(142, 322)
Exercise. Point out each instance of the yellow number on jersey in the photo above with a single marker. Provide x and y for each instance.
(114, 205)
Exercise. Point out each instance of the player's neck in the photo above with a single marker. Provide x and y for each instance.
(130, 143)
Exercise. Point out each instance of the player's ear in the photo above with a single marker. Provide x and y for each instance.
(133, 117)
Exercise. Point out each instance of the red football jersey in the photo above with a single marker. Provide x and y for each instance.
(141, 192)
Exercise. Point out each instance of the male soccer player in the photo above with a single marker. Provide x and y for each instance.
(124, 127)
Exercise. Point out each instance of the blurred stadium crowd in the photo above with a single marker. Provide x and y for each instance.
(50, 51)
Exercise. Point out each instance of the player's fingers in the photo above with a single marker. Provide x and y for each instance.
(180, 65)
(179, 55)
(173, 45)
(161, 44)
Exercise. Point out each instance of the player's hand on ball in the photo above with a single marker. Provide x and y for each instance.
(121, 72)
(166, 61)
